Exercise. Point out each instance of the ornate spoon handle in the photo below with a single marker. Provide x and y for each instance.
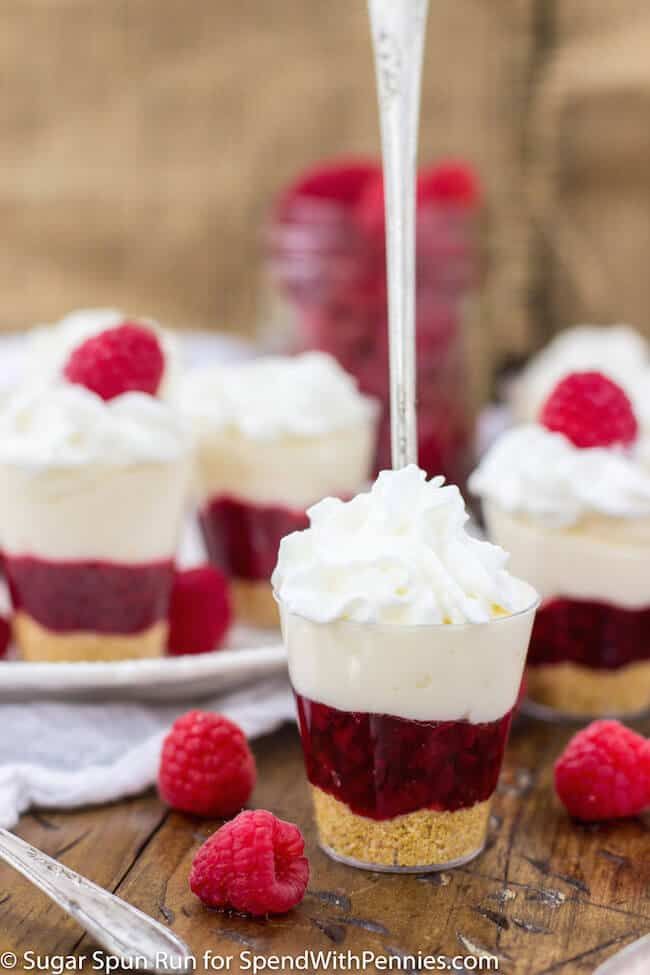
(119, 928)
(398, 29)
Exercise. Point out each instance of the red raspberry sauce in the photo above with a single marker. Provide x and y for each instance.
(243, 539)
(381, 766)
(101, 597)
(589, 633)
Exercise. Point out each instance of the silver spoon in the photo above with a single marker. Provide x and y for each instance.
(116, 926)
(398, 30)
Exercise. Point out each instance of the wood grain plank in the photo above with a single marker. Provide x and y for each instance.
(547, 896)
(100, 843)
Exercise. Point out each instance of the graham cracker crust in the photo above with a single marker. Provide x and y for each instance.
(422, 839)
(255, 604)
(585, 691)
(37, 643)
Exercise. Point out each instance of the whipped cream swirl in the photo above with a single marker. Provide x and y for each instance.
(68, 425)
(50, 346)
(533, 471)
(398, 554)
(275, 396)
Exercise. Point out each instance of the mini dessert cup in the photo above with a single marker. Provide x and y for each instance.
(254, 492)
(92, 495)
(403, 730)
(272, 437)
(89, 558)
(589, 654)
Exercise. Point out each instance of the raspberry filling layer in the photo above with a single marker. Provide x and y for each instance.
(592, 634)
(382, 766)
(100, 597)
(243, 538)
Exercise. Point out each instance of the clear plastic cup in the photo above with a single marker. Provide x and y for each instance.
(88, 556)
(251, 493)
(403, 731)
(589, 652)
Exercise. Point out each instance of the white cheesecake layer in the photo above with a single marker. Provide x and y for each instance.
(603, 559)
(83, 478)
(129, 514)
(292, 471)
(437, 672)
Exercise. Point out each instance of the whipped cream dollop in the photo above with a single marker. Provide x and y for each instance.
(275, 396)
(68, 425)
(617, 350)
(398, 554)
(533, 471)
(49, 346)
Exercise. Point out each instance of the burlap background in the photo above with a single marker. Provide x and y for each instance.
(141, 142)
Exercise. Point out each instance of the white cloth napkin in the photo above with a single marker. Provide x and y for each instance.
(63, 755)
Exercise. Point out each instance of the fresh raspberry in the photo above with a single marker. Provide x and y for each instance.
(206, 766)
(5, 636)
(591, 411)
(119, 360)
(200, 611)
(604, 772)
(449, 182)
(255, 864)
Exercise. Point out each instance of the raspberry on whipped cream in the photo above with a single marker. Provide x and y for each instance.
(618, 350)
(124, 359)
(591, 410)
(406, 639)
(49, 347)
(91, 498)
(576, 521)
(273, 435)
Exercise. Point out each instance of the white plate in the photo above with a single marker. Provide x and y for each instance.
(250, 655)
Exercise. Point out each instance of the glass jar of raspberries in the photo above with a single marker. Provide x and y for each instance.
(325, 254)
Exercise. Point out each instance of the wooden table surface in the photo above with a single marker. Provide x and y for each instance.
(547, 896)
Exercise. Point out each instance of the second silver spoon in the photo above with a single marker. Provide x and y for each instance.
(119, 928)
